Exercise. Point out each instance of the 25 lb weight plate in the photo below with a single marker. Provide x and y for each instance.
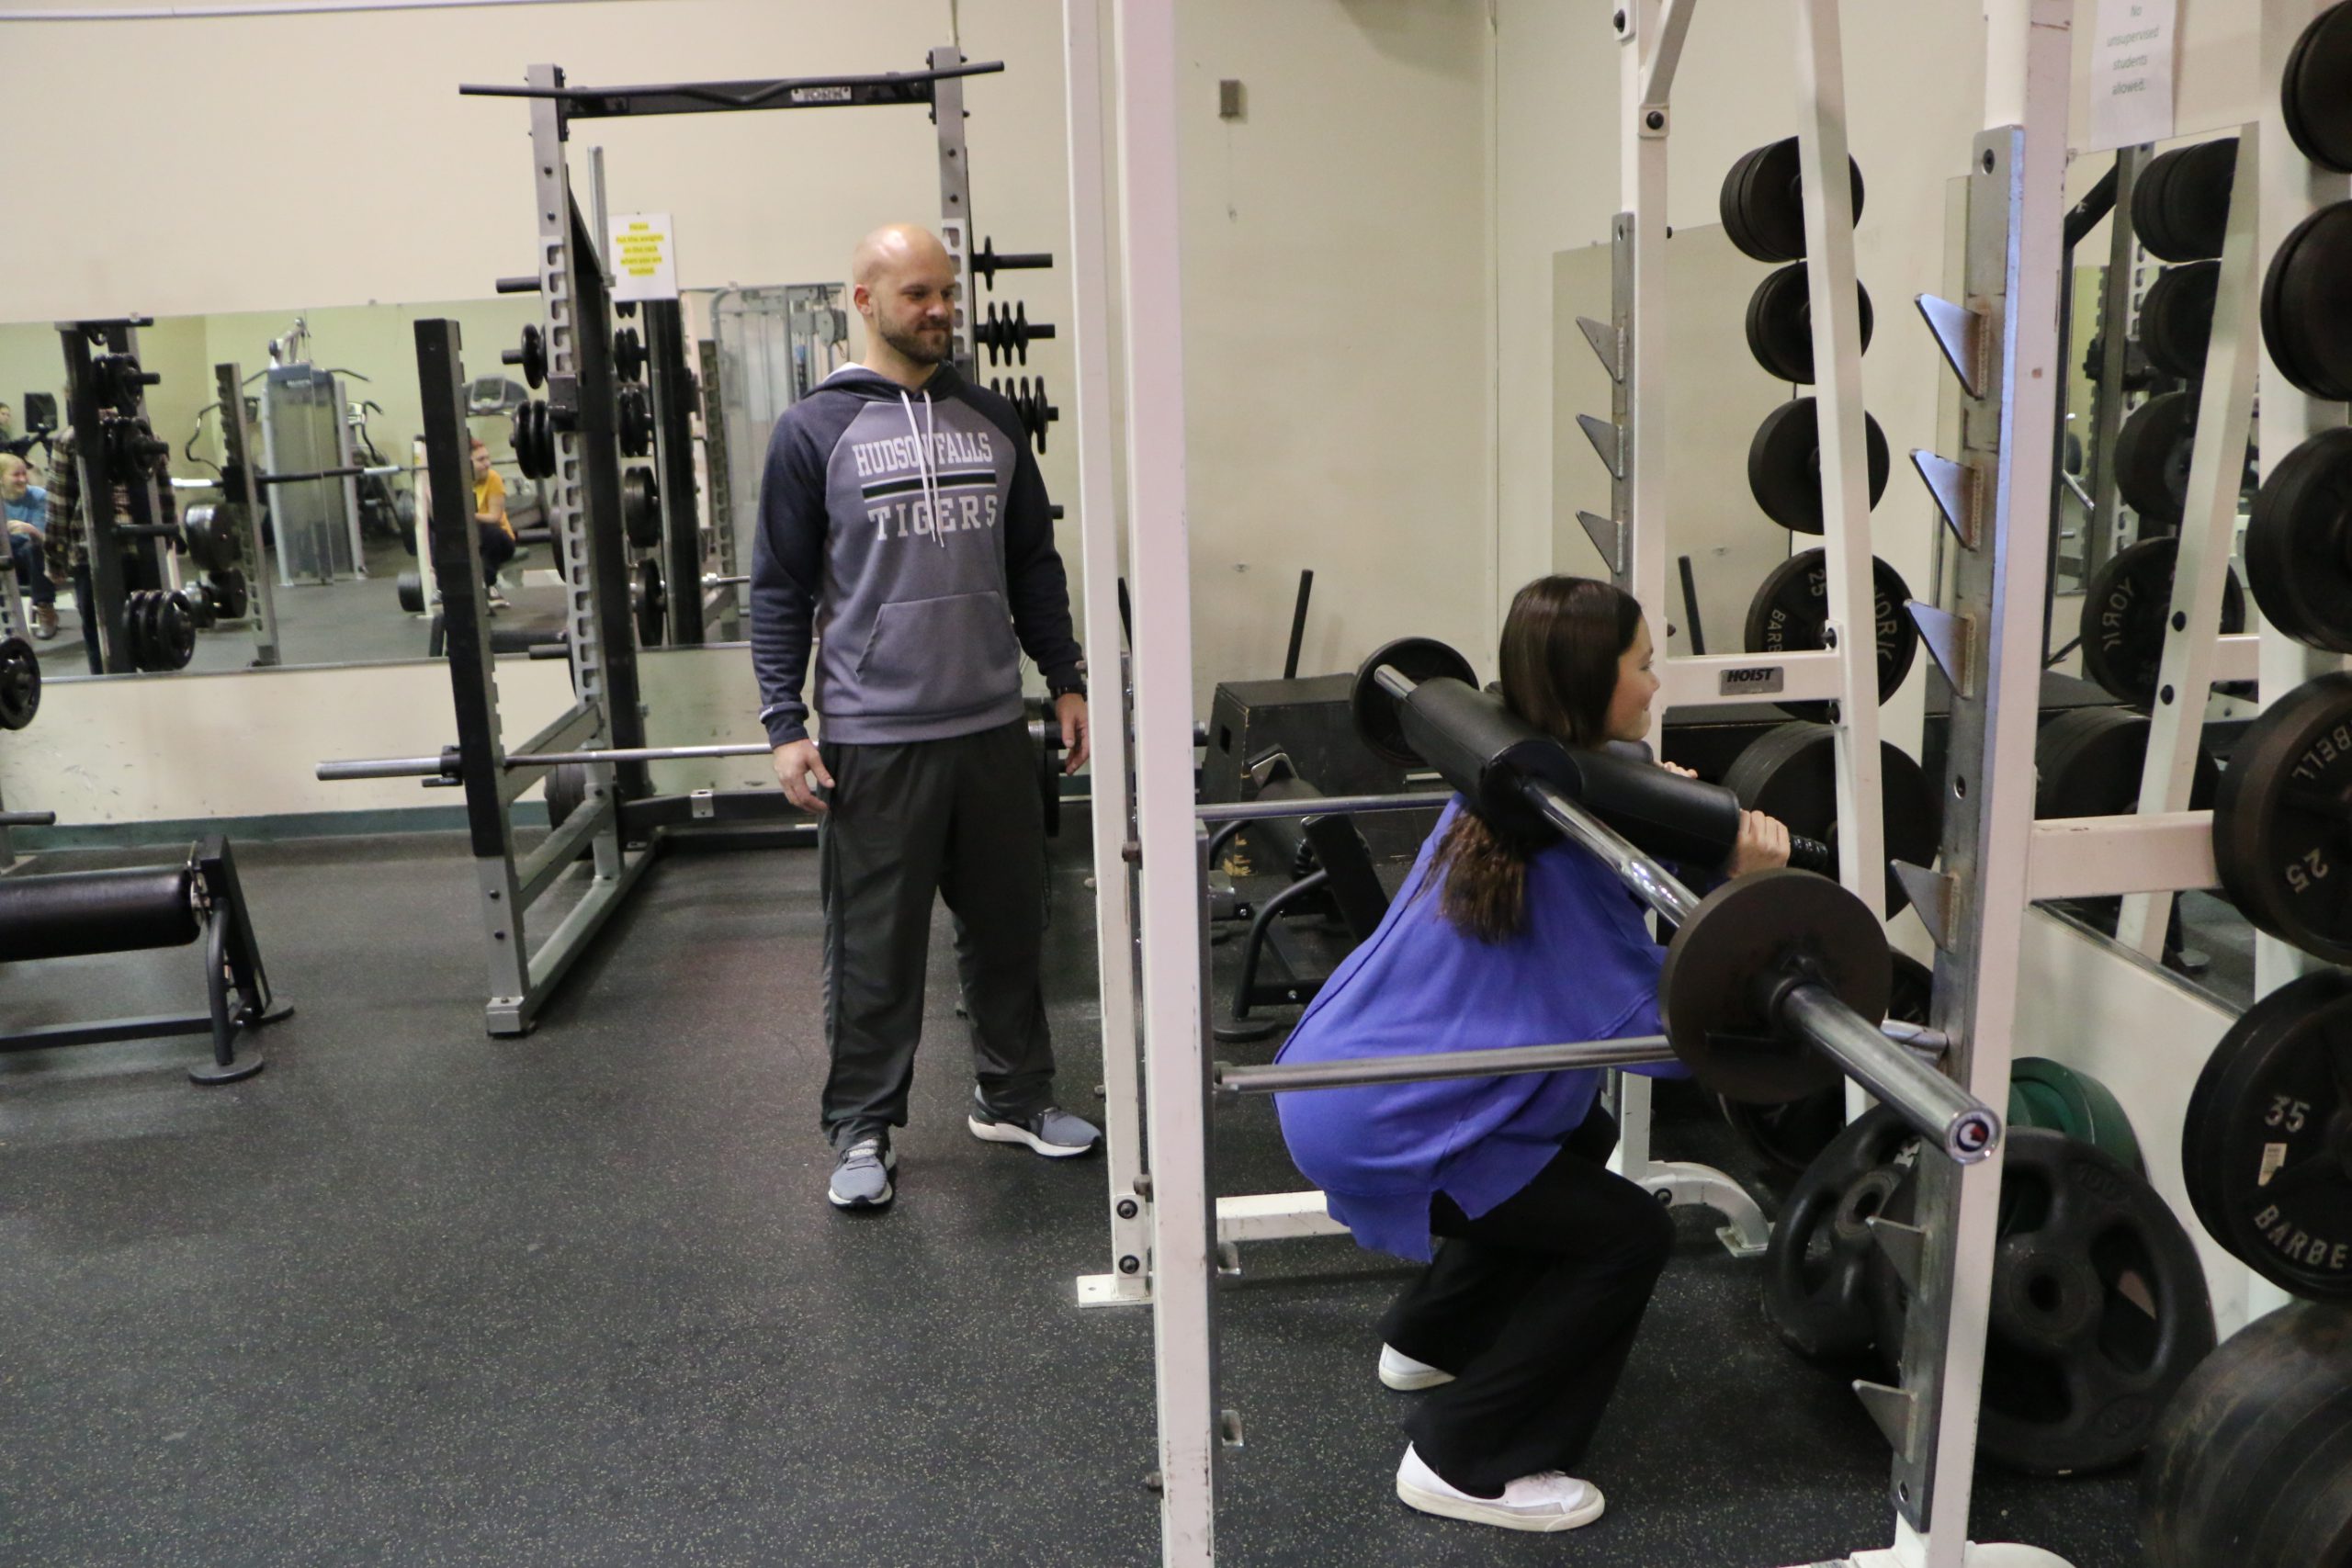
(2282, 818)
(2125, 610)
(2098, 1311)
(1762, 202)
(1784, 465)
(19, 682)
(2299, 543)
(1792, 773)
(2268, 1133)
(1792, 607)
(1779, 324)
(1378, 722)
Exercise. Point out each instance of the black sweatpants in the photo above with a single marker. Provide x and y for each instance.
(1533, 1307)
(497, 549)
(960, 818)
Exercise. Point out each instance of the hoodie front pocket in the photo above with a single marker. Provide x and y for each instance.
(939, 656)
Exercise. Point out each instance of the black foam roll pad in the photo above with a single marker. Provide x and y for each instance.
(72, 913)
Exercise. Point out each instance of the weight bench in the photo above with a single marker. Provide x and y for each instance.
(1332, 874)
(78, 913)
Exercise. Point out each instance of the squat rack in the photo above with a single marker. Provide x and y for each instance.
(620, 822)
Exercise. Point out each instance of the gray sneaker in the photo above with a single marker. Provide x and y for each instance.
(861, 1173)
(1049, 1130)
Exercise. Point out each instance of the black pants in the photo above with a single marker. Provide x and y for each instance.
(1533, 1307)
(497, 549)
(32, 570)
(86, 608)
(959, 817)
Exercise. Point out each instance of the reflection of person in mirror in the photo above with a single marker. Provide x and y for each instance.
(68, 545)
(490, 522)
(27, 505)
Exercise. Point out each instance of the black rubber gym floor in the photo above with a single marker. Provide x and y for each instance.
(417, 1296)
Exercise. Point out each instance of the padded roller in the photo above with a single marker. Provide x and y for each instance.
(73, 913)
(1485, 751)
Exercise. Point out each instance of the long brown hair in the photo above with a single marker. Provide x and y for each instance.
(1561, 644)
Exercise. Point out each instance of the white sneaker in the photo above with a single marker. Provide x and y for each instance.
(1401, 1372)
(1545, 1501)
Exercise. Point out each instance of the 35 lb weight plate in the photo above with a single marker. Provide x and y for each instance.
(2282, 818)
(1378, 722)
(2266, 1143)
(1792, 607)
(1779, 324)
(1784, 464)
(2299, 543)
(2126, 609)
(1762, 202)
(19, 682)
(1792, 773)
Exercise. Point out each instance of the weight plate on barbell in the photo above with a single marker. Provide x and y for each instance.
(1788, 1138)
(1779, 324)
(1791, 773)
(2177, 318)
(2098, 1310)
(1762, 203)
(19, 682)
(2180, 205)
(641, 508)
(2087, 763)
(1380, 722)
(2266, 1142)
(1708, 991)
(2282, 818)
(1792, 607)
(2125, 608)
(2299, 543)
(1784, 464)
(2307, 304)
(2311, 90)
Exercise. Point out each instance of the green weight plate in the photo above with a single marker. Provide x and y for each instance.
(1784, 465)
(1708, 992)
(2076, 1104)
(1791, 606)
(1779, 324)
(1791, 773)
(2299, 543)
(2282, 832)
(2125, 609)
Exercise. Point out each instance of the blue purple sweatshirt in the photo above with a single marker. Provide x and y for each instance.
(1584, 966)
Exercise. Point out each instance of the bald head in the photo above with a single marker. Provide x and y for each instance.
(905, 286)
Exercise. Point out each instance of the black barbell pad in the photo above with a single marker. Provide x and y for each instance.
(70, 914)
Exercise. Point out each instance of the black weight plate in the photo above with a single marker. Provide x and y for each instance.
(2299, 543)
(134, 628)
(19, 682)
(2282, 832)
(1792, 773)
(524, 439)
(2152, 453)
(534, 356)
(1728, 202)
(1378, 723)
(2311, 90)
(2270, 1120)
(1770, 221)
(2180, 205)
(1708, 991)
(1779, 324)
(2307, 304)
(410, 587)
(2177, 318)
(230, 593)
(1049, 770)
(1818, 1267)
(1792, 605)
(635, 424)
(1784, 464)
(2088, 761)
(641, 508)
(2098, 1311)
(565, 791)
(628, 353)
(2247, 1464)
(174, 630)
(2125, 609)
(1791, 1136)
(652, 603)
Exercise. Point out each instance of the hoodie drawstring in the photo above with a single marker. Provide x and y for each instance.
(923, 438)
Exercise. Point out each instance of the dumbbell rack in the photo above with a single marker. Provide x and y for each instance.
(1633, 539)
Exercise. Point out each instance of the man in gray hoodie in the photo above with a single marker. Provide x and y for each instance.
(905, 535)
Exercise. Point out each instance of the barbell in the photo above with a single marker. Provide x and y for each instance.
(1759, 969)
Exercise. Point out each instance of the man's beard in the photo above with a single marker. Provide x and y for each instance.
(910, 342)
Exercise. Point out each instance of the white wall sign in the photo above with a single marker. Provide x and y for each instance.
(644, 256)
(2131, 80)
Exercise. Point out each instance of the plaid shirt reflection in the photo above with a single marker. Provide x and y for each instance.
(69, 540)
